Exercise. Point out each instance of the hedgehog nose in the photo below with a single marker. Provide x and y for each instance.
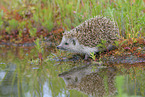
(57, 47)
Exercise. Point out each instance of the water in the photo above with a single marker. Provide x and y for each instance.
(22, 76)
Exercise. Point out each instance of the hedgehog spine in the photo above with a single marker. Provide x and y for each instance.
(84, 38)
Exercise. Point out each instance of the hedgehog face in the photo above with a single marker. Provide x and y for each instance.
(71, 79)
(72, 44)
(69, 44)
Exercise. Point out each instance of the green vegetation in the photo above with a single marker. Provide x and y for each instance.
(1, 22)
(26, 21)
(129, 14)
(102, 44)
(92, 55)
(13, 24)
(40, 49)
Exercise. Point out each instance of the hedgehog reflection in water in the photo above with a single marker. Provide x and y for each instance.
(97, 83)
(84, 38)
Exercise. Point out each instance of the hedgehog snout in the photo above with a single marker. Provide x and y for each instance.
(61, 47)
(58, 47)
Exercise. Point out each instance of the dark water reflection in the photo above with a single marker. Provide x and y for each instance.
(20, 77)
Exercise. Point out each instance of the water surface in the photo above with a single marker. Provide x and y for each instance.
(22, 76)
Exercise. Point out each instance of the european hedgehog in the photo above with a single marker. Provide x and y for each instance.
(84, 38)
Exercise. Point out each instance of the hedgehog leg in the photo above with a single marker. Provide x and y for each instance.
(86, 56)
(111, 47)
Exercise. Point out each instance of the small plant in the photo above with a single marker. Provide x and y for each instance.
(1, 22)
(40, 49)
(102, 44)
(13, 24)
(116, 43)
(93, 56)
(44, 16)
(33, 32)
(21, 27)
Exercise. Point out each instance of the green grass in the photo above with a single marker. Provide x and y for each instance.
(128, 14)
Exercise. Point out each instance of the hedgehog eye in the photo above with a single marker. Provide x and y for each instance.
(66, 43)
(68, 78)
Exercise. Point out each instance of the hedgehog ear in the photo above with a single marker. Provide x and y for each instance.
(74, 42)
